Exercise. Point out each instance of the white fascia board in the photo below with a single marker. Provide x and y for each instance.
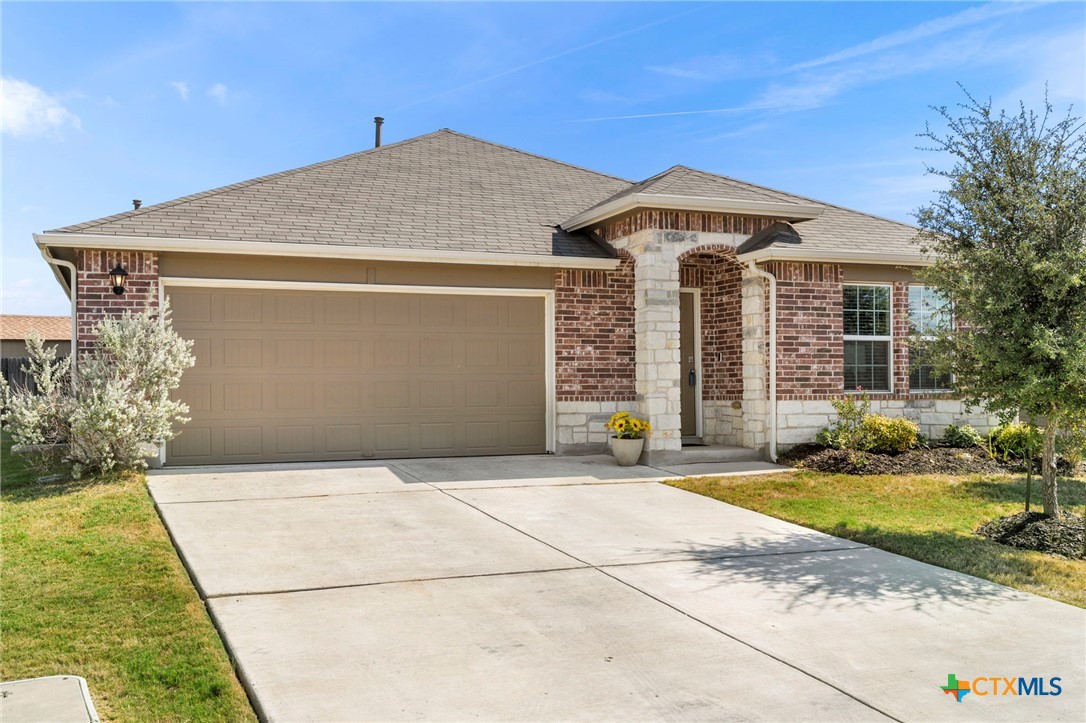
(836, 257)
(788, 211)
(333, 251)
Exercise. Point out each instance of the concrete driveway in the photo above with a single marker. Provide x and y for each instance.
(541, 588)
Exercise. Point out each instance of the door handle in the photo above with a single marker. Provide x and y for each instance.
(692, 378)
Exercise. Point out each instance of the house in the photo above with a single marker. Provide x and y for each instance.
(15, 329)
(445, 295)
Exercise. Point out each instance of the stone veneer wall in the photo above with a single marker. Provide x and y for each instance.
(95, 298)
(594, 353)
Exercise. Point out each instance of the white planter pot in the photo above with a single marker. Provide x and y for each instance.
(627, 451)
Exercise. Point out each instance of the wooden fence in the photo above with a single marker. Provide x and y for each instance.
(11, 367)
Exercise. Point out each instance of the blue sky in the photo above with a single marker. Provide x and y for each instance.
(103, 103)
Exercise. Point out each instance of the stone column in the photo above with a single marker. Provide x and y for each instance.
(754, 431)
(656, 327)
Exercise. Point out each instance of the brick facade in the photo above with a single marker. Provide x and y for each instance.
(594, 334)
(96, 300)
(719, 276)
(810, 337)
(693, 221)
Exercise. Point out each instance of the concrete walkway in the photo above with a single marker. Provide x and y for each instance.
(540, 588)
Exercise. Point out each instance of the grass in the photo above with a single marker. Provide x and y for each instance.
(91, 586)
(926, 517)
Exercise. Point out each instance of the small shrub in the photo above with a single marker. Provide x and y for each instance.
(1016, 440)
(962, 437)
(845, 433)
(118, 403)
(888, 435)
(1071, 444)
(857, 429)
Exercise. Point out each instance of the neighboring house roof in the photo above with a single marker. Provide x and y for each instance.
(49, 328)
(443, 191)
(448, 192)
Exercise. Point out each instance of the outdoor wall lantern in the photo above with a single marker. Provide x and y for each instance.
(117, 277)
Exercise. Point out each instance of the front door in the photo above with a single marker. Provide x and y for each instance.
(688, 346)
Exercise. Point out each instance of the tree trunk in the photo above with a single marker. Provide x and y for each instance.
(1049, 494)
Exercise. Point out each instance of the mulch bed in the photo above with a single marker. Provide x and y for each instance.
(926, 460)
(1033, 531)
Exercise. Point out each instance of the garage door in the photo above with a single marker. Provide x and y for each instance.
(302, 375)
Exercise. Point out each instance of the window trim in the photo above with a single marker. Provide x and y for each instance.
(923, 337)
(889, 338)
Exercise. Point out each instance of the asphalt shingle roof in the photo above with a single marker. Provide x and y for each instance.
(441, 191)
(451, 192)
(49, 328)
(837, 229)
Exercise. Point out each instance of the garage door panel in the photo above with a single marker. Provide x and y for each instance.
(287, 376)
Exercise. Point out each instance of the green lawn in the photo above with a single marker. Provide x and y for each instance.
(928, 518)
(91, 586)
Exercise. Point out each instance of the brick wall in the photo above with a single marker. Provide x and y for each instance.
(810, 338)
(95, 298)
(719, 277)
(899, 305)
(697, 221)
(594, 334)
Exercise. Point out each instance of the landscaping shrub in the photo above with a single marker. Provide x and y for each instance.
(117, 407)
(857, 429)
(1016, 440)
(845, 432)
(962, 437)
(888, 435)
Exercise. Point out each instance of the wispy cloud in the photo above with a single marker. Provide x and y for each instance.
(717, 67)
(818, 81)
(548, 59)
(923, 31)
(27, 110)
(816, 88)
(182, 89)
(219, 92)
(735, 109)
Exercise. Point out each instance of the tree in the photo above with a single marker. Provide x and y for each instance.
(1008, 241)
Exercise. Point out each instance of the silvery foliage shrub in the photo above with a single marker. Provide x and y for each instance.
(39, 419)
(117, 406)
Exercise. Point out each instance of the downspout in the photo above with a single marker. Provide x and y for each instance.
(753, 267)
(71, 289)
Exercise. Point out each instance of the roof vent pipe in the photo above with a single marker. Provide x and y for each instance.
(136, 203)
(377, 120)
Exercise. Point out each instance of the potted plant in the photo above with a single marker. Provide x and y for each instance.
(628, 440)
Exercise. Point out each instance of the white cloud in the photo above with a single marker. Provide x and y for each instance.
(182, 89)
(717, 67)
(924, 30)
(27, 110)
(815, 89)
(218, 92)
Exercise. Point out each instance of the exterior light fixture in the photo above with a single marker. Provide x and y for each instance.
(117, 277)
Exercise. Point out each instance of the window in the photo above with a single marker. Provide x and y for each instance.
(867, 337)
(929, 314)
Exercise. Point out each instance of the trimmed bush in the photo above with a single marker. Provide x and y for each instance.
(963, 437)
(1016, 440)
(857, 429)
(888, 435)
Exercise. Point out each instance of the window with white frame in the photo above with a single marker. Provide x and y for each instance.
(867, 337)
(929, 314)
